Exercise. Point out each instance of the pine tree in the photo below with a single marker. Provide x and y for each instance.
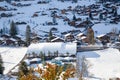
(23, 70)
(1, 31)
(115, 12)
(1, 65)
(50, 35)
(74, 18)
(90, 16)
(101, 16)
(28, 31)
(54, 20)
(13, 29)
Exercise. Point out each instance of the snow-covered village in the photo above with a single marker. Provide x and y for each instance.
(59, 39)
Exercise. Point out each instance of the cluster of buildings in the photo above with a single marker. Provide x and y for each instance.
(7, 40)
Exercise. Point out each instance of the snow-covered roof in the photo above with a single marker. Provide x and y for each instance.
(83, 37)
(80, 34)
(59, 58)
(56, 38)
(36, 59)
(52, 47)
(12, 39)
(101, 35)
(69, 58)
(68, 34)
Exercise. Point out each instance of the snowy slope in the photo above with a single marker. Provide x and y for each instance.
(11, 57)
(36, 22)
(105, 63)
(103, 28)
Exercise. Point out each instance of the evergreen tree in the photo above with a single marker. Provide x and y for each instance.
(101, 16)
(28, 31)
(90, 16)
(115, 13)
(13, 29)
(74, 18)
(54, 20)
(1, 31)
(1, 65)
(23, 70)
(50, 35)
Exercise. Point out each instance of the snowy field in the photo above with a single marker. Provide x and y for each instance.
(105, 63)
(11, 57)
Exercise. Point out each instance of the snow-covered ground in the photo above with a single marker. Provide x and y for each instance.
(36, 23)
(105, 63)
(12, 56)
(104, 28)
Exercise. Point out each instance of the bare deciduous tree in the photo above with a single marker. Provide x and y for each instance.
(82, 66)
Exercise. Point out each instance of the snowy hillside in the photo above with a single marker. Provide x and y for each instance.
(36, 22)
(43, 15)
(59, 16)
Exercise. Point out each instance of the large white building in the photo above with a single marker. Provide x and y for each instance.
(61, 47)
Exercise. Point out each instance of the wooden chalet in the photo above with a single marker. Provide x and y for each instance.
(21, 43)
(84, 24)
(79, 36)
(17, 37)
(69, 37)
(103, 38)
(36, 39)
(113, 36)
(84, 39)
(5, 36)
(10, 41)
